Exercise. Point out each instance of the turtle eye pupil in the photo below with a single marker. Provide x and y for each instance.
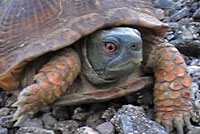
(110, 47)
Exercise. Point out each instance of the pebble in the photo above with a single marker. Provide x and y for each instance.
(68, 126)
(48, 120)
(180, 14)
(34, 130)
(6, 121)
(196, 14)
(160, 14)
(131, 120)
(4, 111)
(3, 130)
(33, 122)
(106, 128)
(86, 130)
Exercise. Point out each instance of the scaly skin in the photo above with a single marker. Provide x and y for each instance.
(52, 80)
(172, 87)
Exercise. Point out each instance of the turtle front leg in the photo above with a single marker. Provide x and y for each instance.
(172, 88)
(52, 80)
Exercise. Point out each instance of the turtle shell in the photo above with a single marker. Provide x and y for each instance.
(31, 28)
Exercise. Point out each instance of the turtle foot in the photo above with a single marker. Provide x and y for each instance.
(27, 104)
(49, 84)
(175, 120)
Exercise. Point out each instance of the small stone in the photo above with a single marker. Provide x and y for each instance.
(86, 130)
(79, 114)
(33, 122)
(61, 113)
(105, 128)
(6, 121)
(160, 14)
(180, 14)
(196, 14)
(68, 126)
(3, 130)
(34, 130)
(4, 111)
(49, 121)
(94, 120)
(167, 4)
(131, 120)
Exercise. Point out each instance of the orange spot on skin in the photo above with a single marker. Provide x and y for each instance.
(159, 103)
(168, 103)
(169, 77)
(176, 85)
(70, 62)
(160, 75)
(186, 94)
(164, 86)
(168, 56)
(60, 66)
(178, 59)
(45, 85)
(54, 78)
(179, 71)
(35, 89)
(48, 69)
(166, 116)
(156, 92)
(174, 94)
(169, 67)
(186, 80)
(162, 96)
(178, 103)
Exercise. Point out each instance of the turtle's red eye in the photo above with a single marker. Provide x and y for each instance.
(110, 47)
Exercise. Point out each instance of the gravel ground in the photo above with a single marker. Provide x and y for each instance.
(116, 117)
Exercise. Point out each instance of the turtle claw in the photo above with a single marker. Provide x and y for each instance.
(20, 120)
(179, 127)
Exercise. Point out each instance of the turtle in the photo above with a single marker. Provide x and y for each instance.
(69, 52)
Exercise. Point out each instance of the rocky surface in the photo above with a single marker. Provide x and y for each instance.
(115, 117)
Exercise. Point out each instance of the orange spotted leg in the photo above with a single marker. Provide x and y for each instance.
(52, 80)
(172, 90)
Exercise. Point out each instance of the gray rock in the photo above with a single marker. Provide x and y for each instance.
(3, 130)
(180, 14)
(160, 14)
(105, 128)
(33, 122)
(79, 114)
(6, 121)
(131, 119)
(94, 120)
(196, 14)
(167, 4)
(86, 130)
(4, 111)
(34, 130)
(67, 127)
(49, 121)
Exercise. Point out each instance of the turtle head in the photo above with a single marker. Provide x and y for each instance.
(109, 55)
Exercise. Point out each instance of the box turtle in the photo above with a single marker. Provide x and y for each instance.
(67, 52)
